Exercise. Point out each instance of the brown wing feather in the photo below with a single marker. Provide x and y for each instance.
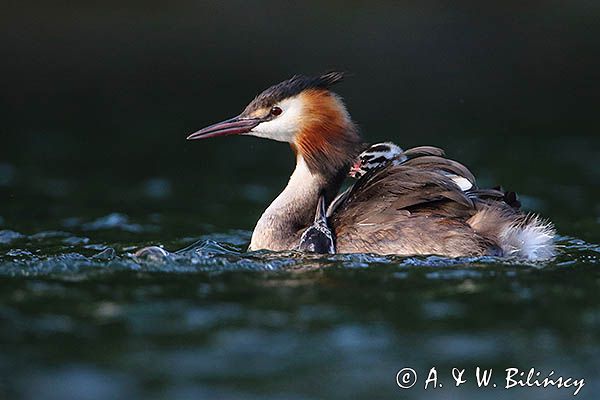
(418, 181)
(424, 151)
(443, 164)
(412, 208)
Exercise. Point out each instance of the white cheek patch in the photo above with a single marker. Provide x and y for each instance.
(284, 127)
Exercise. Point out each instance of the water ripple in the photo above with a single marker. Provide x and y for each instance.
(72, 254)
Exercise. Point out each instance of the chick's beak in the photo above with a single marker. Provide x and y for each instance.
(233, 126)
(356, 171)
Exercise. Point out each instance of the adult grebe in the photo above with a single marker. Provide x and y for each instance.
(414, 207)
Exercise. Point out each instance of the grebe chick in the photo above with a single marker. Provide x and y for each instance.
(381, 155)
(318, 238)
(377, 156)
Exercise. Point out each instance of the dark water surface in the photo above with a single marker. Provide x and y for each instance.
(82, 318)
(96, 102)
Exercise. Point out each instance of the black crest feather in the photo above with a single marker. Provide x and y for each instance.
(291, 87)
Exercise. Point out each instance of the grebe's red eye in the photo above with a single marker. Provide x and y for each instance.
(276, 110)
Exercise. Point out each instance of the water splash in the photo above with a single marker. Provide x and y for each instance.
(60, 253)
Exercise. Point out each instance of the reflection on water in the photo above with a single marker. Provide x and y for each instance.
(87, 319)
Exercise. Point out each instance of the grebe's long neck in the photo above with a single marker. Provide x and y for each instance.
(326, 144)
(281, 224)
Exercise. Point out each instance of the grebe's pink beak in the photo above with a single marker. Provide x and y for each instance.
(233, 126)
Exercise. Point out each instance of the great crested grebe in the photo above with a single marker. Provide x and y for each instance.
(426, 204)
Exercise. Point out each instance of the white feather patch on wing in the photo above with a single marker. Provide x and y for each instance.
(463, 183)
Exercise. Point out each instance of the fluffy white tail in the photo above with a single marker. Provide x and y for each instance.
(518, 235)
(532, 238)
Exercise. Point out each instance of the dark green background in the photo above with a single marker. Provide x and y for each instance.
(97, 98)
